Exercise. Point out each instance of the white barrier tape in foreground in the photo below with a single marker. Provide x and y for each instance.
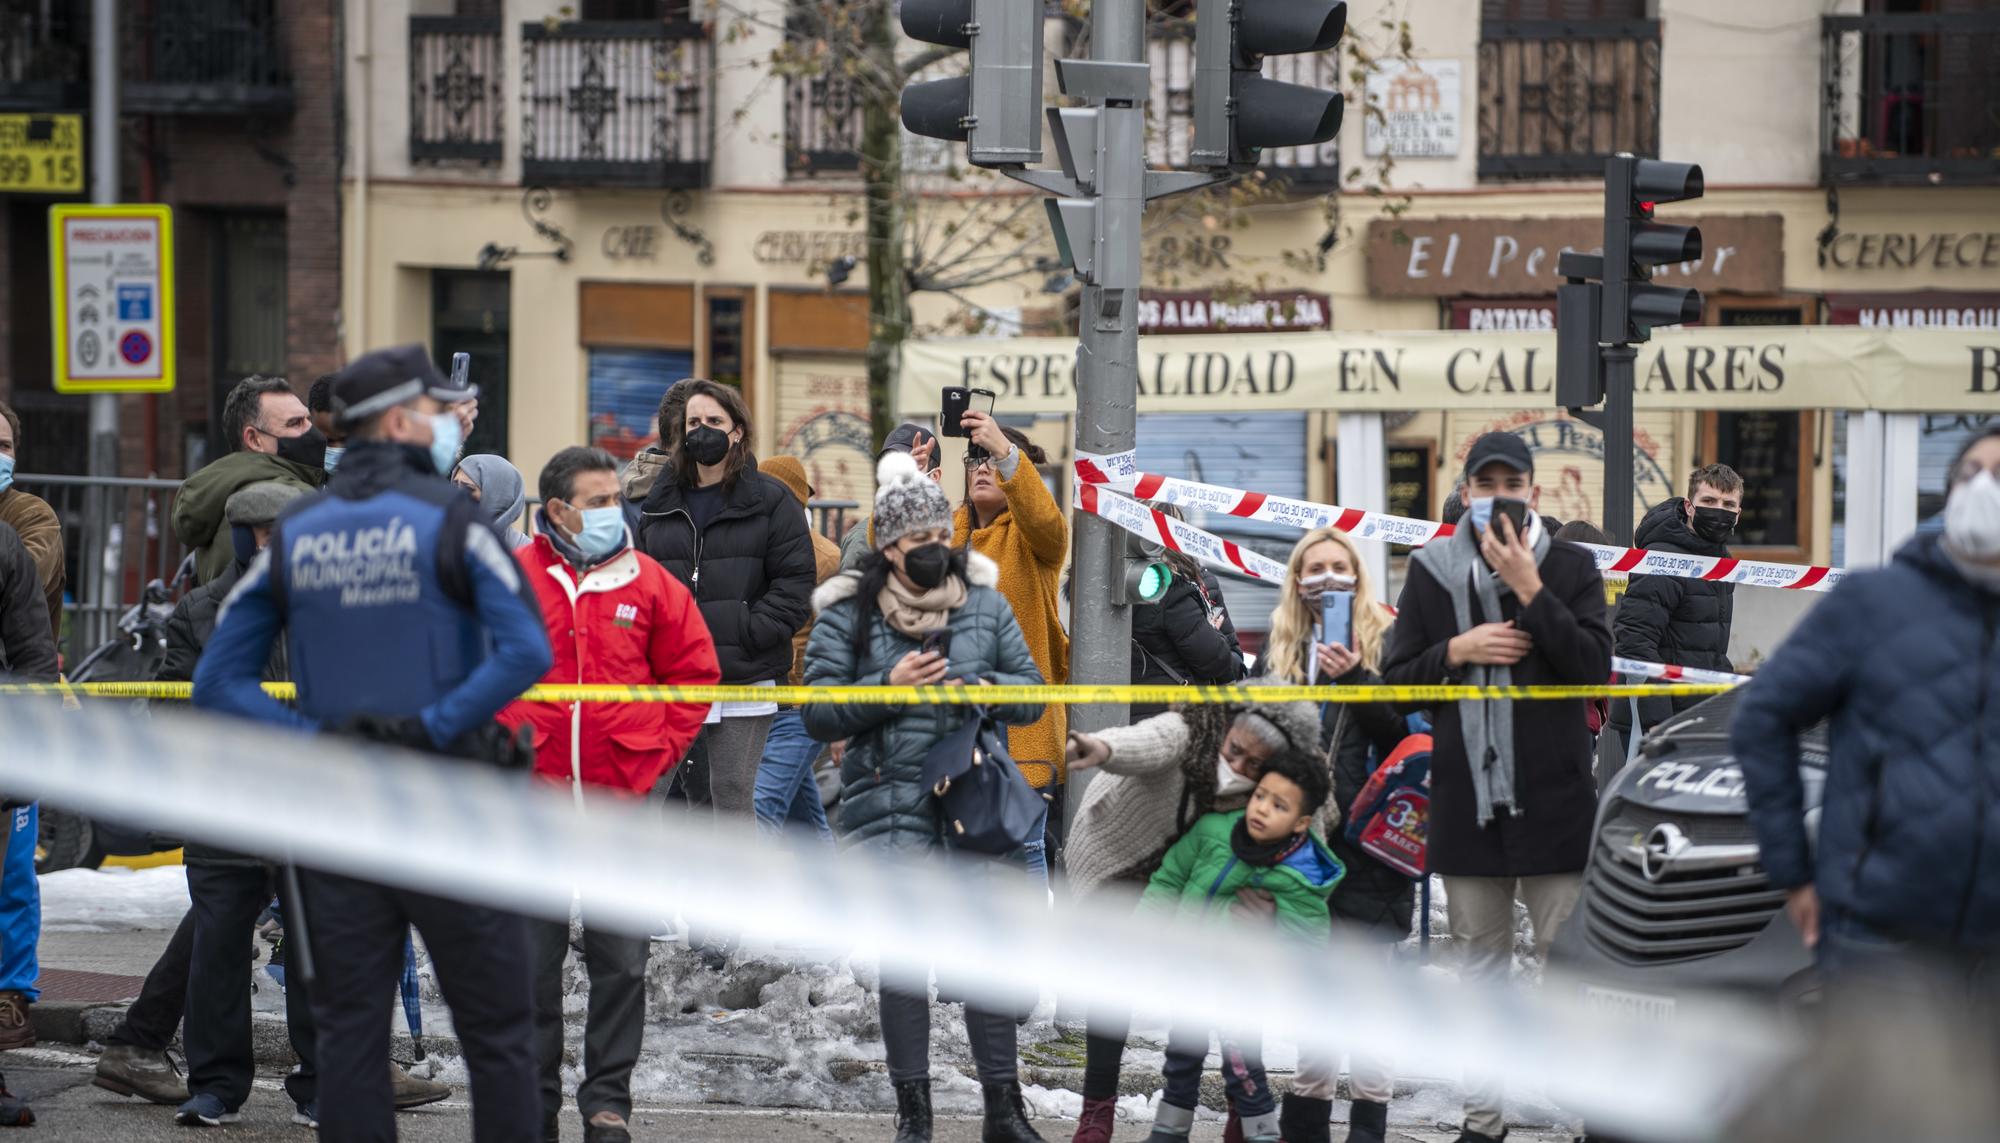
(1639, 668)
(1156, 527)
(477, 834)
(1120, 473)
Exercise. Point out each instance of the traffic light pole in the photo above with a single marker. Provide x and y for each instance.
(1107, 377)
(1618, 392)
(103, 190)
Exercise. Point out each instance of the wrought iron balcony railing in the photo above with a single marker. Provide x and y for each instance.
(1911, 98)
(822, 125)
(457, 89)
(177, 57)
(1558, 97)
(616, 103)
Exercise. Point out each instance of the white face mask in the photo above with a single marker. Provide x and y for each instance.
(1228, 781)
(1972, 517)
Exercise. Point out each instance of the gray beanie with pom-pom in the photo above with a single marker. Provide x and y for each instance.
(906, 500)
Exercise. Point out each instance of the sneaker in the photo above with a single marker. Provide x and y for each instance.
(151, 1076)
(16, 1030)
(14, 1111)
(204, 1110)
(307, 1115)
(606, 1127)
(410, 1091)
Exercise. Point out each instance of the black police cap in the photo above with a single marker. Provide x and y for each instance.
(376, 382)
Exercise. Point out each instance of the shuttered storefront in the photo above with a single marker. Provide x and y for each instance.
(625, 390)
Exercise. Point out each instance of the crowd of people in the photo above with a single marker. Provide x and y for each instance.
(347, 545)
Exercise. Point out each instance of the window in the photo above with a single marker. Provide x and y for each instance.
(1564, 84)
(636, 9)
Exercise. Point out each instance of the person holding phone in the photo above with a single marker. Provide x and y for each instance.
(1010, 517)
(1329, 628)
(916, 613)
(1500, 602)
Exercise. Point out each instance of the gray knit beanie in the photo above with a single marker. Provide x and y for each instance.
(906, 500)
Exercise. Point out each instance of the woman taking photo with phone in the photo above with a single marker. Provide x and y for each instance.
(1329, 629)
(1186, 639)
(737, 539)
(914, 591)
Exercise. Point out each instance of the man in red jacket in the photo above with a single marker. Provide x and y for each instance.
(614, 616)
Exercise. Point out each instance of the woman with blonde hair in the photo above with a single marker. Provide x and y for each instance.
(1373, 899)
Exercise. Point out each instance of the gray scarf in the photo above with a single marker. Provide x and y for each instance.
(1487, 727)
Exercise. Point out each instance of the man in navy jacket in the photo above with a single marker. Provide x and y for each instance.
(407, 622)
(1905, 661)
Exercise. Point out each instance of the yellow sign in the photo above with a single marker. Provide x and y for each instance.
(111, 273)
(41, 154)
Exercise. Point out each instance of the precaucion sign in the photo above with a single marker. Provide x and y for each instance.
(41, 154)
(112, 269)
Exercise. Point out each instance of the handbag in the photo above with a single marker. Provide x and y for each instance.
(984, 803)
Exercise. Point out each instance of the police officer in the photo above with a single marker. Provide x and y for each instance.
(406, 622)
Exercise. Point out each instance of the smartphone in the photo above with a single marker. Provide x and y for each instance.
(1336, 618)
(958, 401)
(461, 370)
(1514, 510)
(938, 643)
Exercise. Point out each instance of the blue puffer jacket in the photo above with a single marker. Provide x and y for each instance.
(883, 801)
(1906, 663)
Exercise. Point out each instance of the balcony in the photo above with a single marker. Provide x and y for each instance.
(616, 103)
(1558, 97)
(458, 103)
(177, 57)
(1170, 110)
(1911, 98)
(822, 126)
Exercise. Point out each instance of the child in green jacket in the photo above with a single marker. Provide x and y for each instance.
(1270, 847)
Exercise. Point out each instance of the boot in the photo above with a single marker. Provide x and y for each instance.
(1006, 1116)
(1468, 1135)
(16, 1030)
(913, 1111)
(1306, 1120)
(1171, 1124)
(1367, 1122)
(149, 1075)
(1261, 1129)
(14, 1111)
(1095, 1124)
(410, 1091)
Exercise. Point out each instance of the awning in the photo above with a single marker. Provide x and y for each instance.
(1755, 367)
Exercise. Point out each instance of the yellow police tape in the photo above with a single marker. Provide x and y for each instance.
(987, 695)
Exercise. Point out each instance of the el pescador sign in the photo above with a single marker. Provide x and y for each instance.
(1758, 367)
(1506, 257)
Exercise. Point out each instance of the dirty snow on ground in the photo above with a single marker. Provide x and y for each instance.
(114, 900)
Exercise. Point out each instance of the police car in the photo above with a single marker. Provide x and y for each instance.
(1675, 900)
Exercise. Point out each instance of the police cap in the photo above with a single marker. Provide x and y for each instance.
(376, 382)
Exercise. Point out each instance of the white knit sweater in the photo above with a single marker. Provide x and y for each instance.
(1129, 810)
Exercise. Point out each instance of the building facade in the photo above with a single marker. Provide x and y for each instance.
(228, 114)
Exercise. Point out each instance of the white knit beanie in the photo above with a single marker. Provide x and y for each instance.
(906, 500)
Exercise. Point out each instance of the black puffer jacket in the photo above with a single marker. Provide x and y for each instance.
(751, 570)
(188, 630)
(1672, 619)
(1174, 644)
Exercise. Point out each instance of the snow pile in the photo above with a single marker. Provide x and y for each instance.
(113, 900)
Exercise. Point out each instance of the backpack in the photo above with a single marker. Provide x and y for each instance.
(1391, 817)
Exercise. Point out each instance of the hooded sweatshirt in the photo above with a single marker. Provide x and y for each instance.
(501, 493)
(1204, 872)
(198, 506)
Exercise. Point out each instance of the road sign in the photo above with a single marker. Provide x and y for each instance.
(112, 275)
(41, 154)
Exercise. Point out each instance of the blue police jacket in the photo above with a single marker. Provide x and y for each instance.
(396, 598)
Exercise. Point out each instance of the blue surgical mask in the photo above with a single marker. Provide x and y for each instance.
(446, 436)
(332, 459)
(603, 531)
(6, 472)
(1479, 510)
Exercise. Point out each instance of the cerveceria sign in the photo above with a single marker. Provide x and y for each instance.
(1760, 367)
(1511, 257)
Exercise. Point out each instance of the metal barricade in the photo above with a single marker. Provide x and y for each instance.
(117, 535)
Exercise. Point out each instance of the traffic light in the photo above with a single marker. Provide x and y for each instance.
(1238, 112)
(995, 109)
(1147, 573)
(1634, 243)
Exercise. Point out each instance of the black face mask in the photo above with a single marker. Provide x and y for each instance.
(1715, 525)
(308, 448)
(707, 445)
(927, 565)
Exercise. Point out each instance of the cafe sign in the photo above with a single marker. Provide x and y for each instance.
(1505, 257)
(1752, 367)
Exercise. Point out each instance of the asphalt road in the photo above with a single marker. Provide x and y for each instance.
(56, 1082)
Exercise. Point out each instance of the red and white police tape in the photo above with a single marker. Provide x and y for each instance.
(1639, 668)
(1120, 473)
